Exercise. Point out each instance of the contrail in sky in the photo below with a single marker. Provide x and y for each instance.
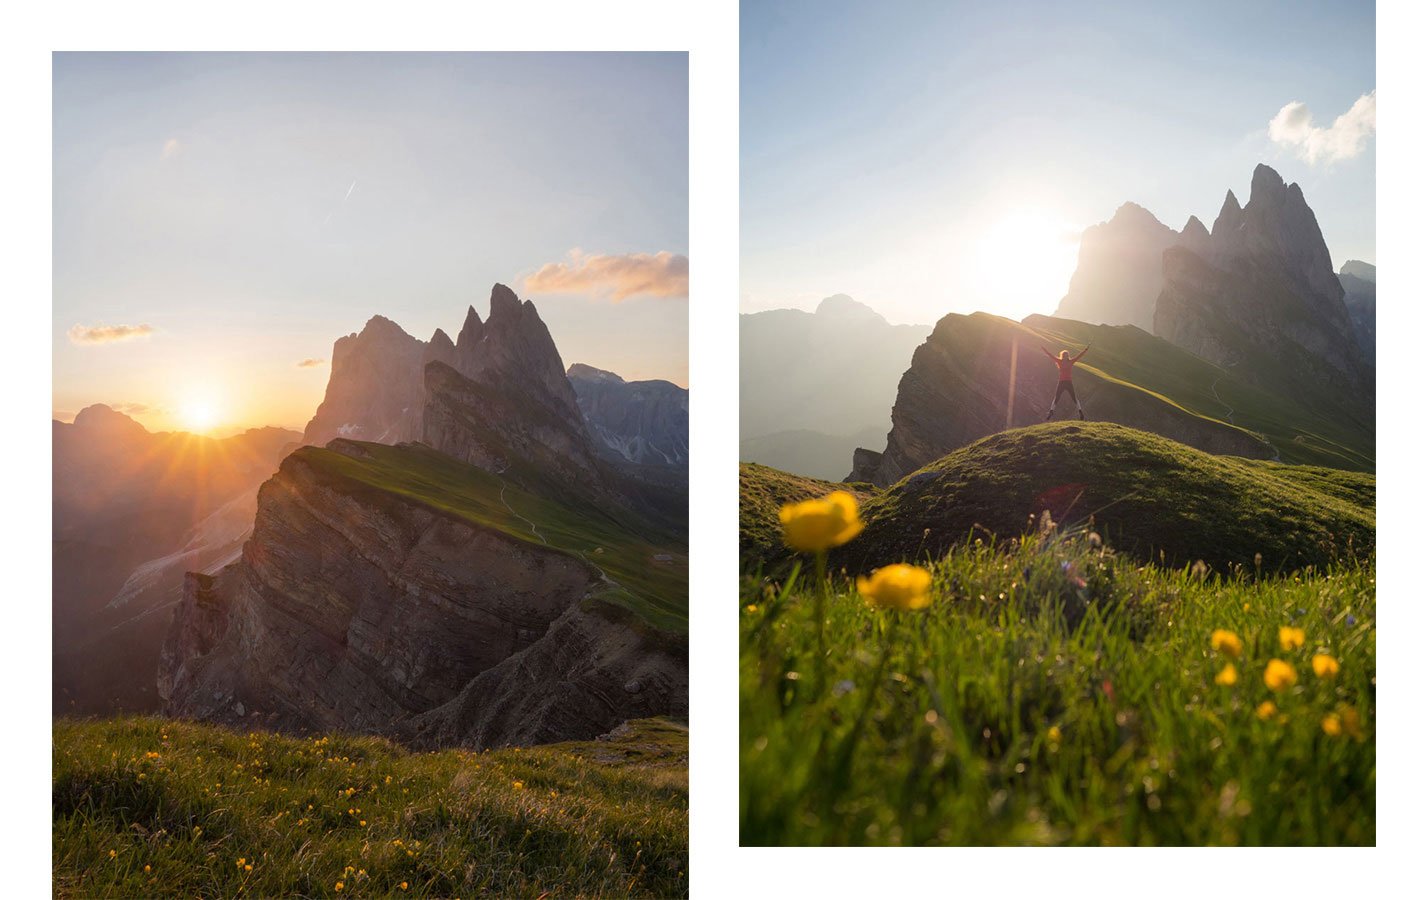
(331, 213)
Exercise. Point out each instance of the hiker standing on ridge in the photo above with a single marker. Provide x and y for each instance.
(1065, 379)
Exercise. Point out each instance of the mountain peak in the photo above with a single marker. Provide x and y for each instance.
(1361, 270)
(1134, 213)
(381, 325)
(504, 302)
(471, 330)
(102, 417)
(591, 373)
(1265, 181)
(840, 306)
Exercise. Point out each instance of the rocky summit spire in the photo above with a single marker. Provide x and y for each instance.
(471, 332)
(1194, 237)
(440, 347)
(1228, 222)
(516, 345)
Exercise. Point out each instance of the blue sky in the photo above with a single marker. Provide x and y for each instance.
(251, 208)
(911, 154)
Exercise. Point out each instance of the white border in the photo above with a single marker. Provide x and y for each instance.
(709, 30)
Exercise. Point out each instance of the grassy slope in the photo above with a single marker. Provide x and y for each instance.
(1146, 493)
(934, 727)
(761, 493)
(591, 819)
(658, 592)
(1315, 433)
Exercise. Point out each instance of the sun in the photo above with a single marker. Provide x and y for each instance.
(200, 415)
(1026, 259)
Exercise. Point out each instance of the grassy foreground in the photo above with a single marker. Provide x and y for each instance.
(149, 807)
(1055, 692)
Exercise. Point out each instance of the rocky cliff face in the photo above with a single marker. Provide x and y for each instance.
(1263, 291)
(361, 609)
(1118, 274)
(644, 422)
(507, 403)
(375, 392)
(957, 390)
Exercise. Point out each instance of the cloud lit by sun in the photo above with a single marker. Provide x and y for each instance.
(1026, 258)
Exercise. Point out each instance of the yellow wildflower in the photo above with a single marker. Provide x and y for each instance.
(339, 886)
(1055, 735)
(814, 526)
(517, 785)
(1348, 716)
(1279, 675)
(1331, 726)
(1325, 666)
(1227, 642)
(1227, 676)
(899, 586)
(1266, 710)
(1289, 638)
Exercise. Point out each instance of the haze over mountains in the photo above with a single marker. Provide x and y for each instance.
(813, 385)
(466, 563)
(133, 511)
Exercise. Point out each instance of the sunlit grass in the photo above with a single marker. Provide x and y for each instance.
(1055, 692)
(147, 807)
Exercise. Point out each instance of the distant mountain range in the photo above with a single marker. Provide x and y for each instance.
(132, 512)
(814, 384)
(644, 422)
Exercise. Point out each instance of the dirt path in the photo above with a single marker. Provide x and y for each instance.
(503, 498)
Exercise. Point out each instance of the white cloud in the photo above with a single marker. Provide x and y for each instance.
(309, 363)
(107, 334)
(1294, 127)
(171, 148)
(661, 274)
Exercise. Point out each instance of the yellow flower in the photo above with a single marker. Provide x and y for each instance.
(1289, 638)
(1227, 642)
(1227, 675)
(339, 886)
(1331, 726)
(899, 586)
(403, 885)
(1348, 716)
(1266, 710)
(1279, 675)
(147, 869)
(1325, 666)
(814, 526)
(752, 607)
(1055, 735)
(517, 785)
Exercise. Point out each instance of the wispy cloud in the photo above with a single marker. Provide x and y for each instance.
(309, 363)
(138, 409)
(171, 148)
(108, 334)
(1294, 127)
(661, 274)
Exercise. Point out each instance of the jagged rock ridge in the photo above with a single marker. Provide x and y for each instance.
(644, 422)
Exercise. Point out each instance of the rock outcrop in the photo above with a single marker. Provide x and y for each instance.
(1118, 273)
(375, 392)
(362, 609)
(645, 422)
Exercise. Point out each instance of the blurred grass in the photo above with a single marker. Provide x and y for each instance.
(147, 807)
(934, 727)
